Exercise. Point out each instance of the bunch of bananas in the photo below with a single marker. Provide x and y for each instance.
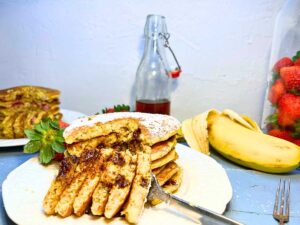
(239, 139)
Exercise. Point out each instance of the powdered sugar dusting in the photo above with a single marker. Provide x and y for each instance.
(157, 124)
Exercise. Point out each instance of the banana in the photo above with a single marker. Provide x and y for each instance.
(251, 148)
(188, 133)
(195, 131)
(252, 123)
(236, 117)
(199, 128)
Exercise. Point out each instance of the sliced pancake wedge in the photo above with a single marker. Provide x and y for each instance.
(18, 125)
(7, 126)
(84, 196)
(87, 160)
(121, 188)
(140, 187)
(62, 180)
(109, 174)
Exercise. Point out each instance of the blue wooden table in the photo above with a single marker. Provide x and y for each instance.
(253, 192)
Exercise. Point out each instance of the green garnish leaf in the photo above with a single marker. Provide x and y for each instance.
(32, 146)
(59, 139)
(33, 134)
(273, 119)
(46, 137)
(38, 128)
(54, 124)
(297, 56)
(45, 124)
(46, 154)
(58, 147)
(296, 132)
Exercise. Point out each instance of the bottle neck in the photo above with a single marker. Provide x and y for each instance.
(154, 46)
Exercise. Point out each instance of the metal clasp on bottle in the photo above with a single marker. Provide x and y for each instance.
(174, 73)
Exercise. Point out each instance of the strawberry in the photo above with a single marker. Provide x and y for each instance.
(297, 62)
(110, 110)
(291, 78)
(62, 124)
(284, 62)
(297, 142)
(288, 109)
(283, 134)
(276, 91)
(58, 156)
(117, 108)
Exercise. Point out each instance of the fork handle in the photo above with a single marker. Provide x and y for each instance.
(199, 214)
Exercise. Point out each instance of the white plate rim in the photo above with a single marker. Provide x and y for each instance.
(23, 141)
(227, 185)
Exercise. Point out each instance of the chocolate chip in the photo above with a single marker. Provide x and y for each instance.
(144, 183)
(121, 181)
(118, 159)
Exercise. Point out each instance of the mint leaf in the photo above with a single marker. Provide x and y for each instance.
(46, 154)
(32, 135)
(32, 146)
(58, 147)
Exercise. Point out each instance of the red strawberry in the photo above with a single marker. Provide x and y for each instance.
(291, 78)
(110, 110)
(297, 142)
(283, 134)
(58, 156)
(276, 91)
(288, 109)
(297, 62)
(284, 62)
(63, 124)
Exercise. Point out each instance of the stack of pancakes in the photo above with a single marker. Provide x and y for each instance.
(23, 106)
(107, 168)
(163, 165)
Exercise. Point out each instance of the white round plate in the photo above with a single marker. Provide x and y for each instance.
(68, 116)
(205, 183)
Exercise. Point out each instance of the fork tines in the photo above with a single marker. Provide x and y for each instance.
(282, 202)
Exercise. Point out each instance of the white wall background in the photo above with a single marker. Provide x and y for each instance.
(90, 50)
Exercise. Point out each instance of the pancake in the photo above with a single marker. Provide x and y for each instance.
(171, 186)
(18, 125)
(29, 120)
(154, 127)
(171, 156)
(28, 92)
(161, 149)
(7, 129)
(27, 105)
(166, 173)
(158, 170)
(63, 179)
(118, 181)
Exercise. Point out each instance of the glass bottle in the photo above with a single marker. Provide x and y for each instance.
(153, 77)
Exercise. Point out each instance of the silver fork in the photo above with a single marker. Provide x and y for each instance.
(196, 213)
(281, 210)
